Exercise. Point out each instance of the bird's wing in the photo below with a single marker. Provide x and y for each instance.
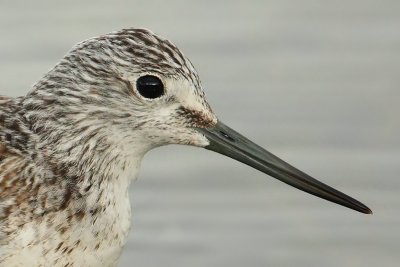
(16, 171)
(29, 189)
(12, 180)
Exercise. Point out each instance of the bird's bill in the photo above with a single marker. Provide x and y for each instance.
(228, 142)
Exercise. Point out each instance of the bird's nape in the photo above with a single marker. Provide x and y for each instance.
(228, 142)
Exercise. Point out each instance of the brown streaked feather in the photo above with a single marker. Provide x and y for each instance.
(70, 147)
(26, 191)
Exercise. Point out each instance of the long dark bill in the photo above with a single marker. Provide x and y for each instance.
(227, 141)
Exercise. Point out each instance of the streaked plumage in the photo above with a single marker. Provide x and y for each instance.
(70, 148)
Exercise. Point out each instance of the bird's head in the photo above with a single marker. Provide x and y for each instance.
(139, 90)
(134, 84)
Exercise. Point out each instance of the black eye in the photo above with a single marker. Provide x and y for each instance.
(150, 86)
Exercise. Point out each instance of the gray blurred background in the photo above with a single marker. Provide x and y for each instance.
(316, 82)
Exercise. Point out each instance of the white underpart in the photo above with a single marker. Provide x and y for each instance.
(112, 225)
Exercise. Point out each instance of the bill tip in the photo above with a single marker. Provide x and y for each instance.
(366, 210)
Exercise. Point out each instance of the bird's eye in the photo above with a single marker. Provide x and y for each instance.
(150, 86)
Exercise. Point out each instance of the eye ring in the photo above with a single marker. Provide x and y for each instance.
(150, 86)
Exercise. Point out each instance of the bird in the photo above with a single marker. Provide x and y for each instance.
(70, 147)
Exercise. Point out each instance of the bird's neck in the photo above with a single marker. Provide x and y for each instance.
(85, 150)
(92, 155)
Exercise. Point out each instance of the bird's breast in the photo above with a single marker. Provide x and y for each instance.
(91, 231)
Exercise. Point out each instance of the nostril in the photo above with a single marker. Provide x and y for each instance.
(226, 136)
